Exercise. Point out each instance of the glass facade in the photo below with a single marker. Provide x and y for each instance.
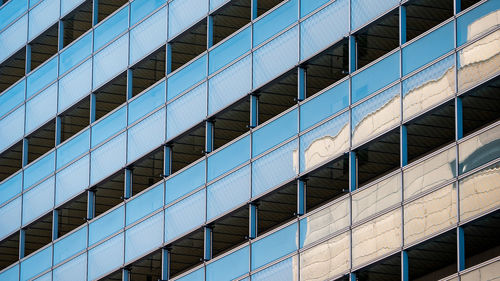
(249, 140)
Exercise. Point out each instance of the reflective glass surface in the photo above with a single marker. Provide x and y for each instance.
(11, 128)
(39, 170)
(185, 182)
(70, 245)
(72, 180)
(42, 17)
(478, 21)
(308, 6)
(183, 79)
(144, 237)
(197, 275)
(282, 271)
(75, 85)
(41, 77)
(181, 15)
(485, 273)
(146, 102)
(68, 5)
(41, 108)
(75, 53)
(36, 263)
(274, 132)
(109, 125)
(12, 97)
(479, 150)
(99, 261)
(363, 11)
(144, 204)
(146, 135)
(141, 8)
(75, 270)
(10, 217)
(11, 274)
(73, 148)
(106, 225)
(229, 157)
(229, 50)
(110, 28)
(11, 10)
(38, 200)
(274, 246)
(185, 215)
(229, 267)
(108, 159)
(11, 187)
(149, 34)
(110, 61)
(13, 38)
(275, 21)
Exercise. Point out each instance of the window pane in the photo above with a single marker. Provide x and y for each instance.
(479, 150)
(146, 135)
(36, 263)
(364, 11)
(74, 270)
(73, 148)
(13, 38)
(185, 182)
(108, 159)
(106, 257)
(41, 77)
(75, 53)
(478, 21)
(69, 5)
(11, 187)
(10, 217)
(106, 225)
(11, 274)
(282, 271)
(274, 246)
(229, 267)
(183, 79)
(75, 85)
(149, 34)
(181, 14)
(275, 21)
(70, 245)
(41, 108)
(12, 97)
(38, 201)
(275, 132)
(111, 28)
(11, 128)
(144, 204)
(229, 50)
(185, 215)
(229, 157)
(39, 170)
(109, 62)
(73, 180)
(308, 6)
(141, 8)
(43, 16)
(146, 102)
(144, 237)
(109, 126)
(11, 10)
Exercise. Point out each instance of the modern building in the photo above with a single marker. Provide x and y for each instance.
(249, 140)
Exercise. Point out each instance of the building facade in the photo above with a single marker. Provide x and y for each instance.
(249, 140)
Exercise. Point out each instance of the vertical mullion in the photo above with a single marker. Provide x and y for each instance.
(165, 264)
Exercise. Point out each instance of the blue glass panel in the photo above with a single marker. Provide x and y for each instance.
(109, 126)
(69, 5)
(274, 168)
(229, 50)
(73, 180)
(148, 35)
(106, 225)
(275, 57)
(146, 135)
(185, 182)
(230, 85)
(275, 21)
(38, 200)
(228, 192)
(13, 38)
(187, 77)
(324, 105)
(144, 204)
(42, 17)
(228, 158)
(74, 270)
(187, 111)
(275, 132)
(146, 102)
(376, 115)
(308, 6)
(185, 215)
(109, 62)
(75, 53)
(11, 10)
(36, 263)
(111, 28)
(229, 267)
(39, 170)
(144, 237)
(12, 97)
(282, 271)
(477, 21)
(46, 277)
(75, 85)
(73, 148)
(274, 246)
(375, 77)
(33, 3)
(41, 108)
(11, 187)
(428, 48)
(70, 245)
(197, 275)
(181, 14)
(141, 8)
(11, 274)
(324, 28)
(324, 142)
(11, 128)
(108, 159)
(106, 257)
(217, 3)
(41, 77)
(10, 217)
(364, 11)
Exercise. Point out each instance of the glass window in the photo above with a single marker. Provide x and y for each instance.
(181, 15)
(72, 180)
(479, 150)
(11, 274)
(429, 87)
(308, 6)
(228, 192)
(197, 275)
(75, 269)
(11, 187)
(428, 48)
(11, 128)
(430, 214)
(69, 5)
(284, 270)
(323, 28)
(275, 21)
(274, 168)
(108, 159)
(274, 246)
(109, 126)
(41, 108)
(275, 132)
(185, 182)
(478, 21)
(141, 8)
(144, 204)
(41, 77)
(39, 170)
(229, 267)
(42, 17)
(144, 237)
(13, 38)
(10, 217)
(364, 11)
(75, 85)
(376, 238)
(186, 111)
(430, 173)
(73, 148)
(70, 245)
(216, 3)
(109, 62)
(146, 102)
(487, 272)
(38, 200)
(376, 115)
(11, 10)
(149, 34)
(183, 79)
(106, 225)
(324, 142)
(275, 57)
(326, 260)
(75, 53)
(36, 263)
(229, 157)
(12, 97)
(106, 257)
(110, 28)
(185, 215)
(229, 50)
(146, 135)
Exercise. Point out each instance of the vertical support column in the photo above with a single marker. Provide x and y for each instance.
(165, 264)
(207, 247)
(353, 170)
(458, 6)
(210, 31)
(168, 58)
(255, 12)
(93, 99)
(95, 12)
(90, 204)
(404, 145)
(209, 136)
(301, 197)
(461, 248)
(127, 188)
(55, 224)
(130, 85)
(352, 276)
(459, 117)
(60, 42)
(301, 91)
(353, 51)
(28, 58)
(402, 24)
(252, 221)
(22, 243)
(254, 110)
(167, 160)
(125, 274)
(404, 266)
(58, 130)
(25, 155)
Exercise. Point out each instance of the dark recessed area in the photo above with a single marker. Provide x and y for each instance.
(148, 71)
(147, 171)
(72, 214)
(147, 268)
(9, 250)
(388, 269)
(38, 234)
(44, 46)
(188, 45)
(480, 106)
(276, 208)
(11, 160)
(12, 69)
(230, 231)
(41, 141)
(231, 17)
(481, 239)
(422, 15)
(75, 119)
(277, 96)
(186, 253)
(76, 23)
(188, 148)
(111, 96)
(109, 193)
(231, 122)
(107, 7)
